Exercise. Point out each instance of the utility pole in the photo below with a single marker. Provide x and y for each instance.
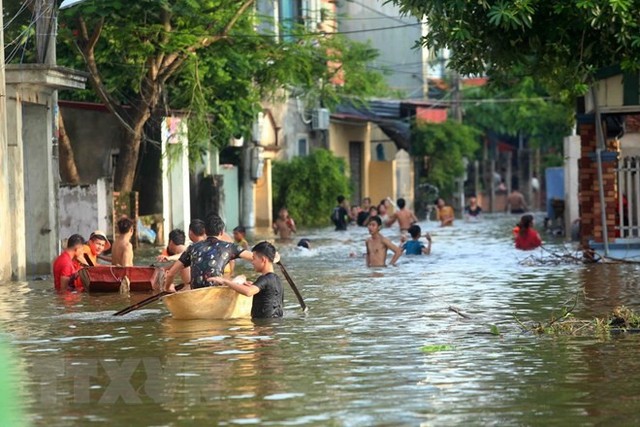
(6, 217)
(457, 103)
(457, 98)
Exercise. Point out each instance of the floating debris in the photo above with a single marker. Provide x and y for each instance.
(621, 320)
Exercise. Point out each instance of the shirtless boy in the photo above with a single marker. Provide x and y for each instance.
(515, 202)
(377, 246)
(284, 224)
(122, 249)
(405, 217)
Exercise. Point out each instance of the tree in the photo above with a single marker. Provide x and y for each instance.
(444, 146)
(308, 186)
(561, 42)
(519, 107)
(144, 44)
(204, 57)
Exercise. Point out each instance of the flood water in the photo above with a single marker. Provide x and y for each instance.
(355, 359)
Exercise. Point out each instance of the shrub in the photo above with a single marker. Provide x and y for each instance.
(445, 145)
(308, 186)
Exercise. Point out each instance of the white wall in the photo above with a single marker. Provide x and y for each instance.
(176, 196)
(571, 179)
(630, 145)
(85, 208)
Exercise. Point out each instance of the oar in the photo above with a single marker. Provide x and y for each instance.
(303, 306)
(146, 301)
(86, 257)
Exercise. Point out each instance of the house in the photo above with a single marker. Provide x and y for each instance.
(375, 140)
(609, 166)
(31, 157)
(394, 35)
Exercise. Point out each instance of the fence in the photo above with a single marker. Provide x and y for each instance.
(628, 218)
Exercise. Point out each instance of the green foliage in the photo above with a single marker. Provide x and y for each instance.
(561, 42)
(436, 348)
(520, 107)
(308, 186)
(211, 59)
(446, 145)
(494, 330)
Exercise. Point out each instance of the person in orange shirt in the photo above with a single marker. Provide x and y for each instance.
(445, 213)
(93, 249)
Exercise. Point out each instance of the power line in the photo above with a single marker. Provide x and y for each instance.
(320, 34)
(377, 11)
(18, 13)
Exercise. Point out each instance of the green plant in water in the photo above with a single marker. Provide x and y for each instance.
(436, 348)
(494, 330)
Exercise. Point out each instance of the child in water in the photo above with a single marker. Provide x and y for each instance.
(267, 291)
(377, 246)
(527, 238)
(415, 246)
(240, 237)
(284, 225)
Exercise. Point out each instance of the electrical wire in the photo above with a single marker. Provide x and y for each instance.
(18, 13)
(377, 11)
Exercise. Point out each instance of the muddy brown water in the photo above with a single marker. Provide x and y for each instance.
(355, 359)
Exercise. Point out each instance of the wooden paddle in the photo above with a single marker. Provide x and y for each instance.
(303, 306)
(146, 301)
(86, 257)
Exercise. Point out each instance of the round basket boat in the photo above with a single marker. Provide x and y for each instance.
(215, 302)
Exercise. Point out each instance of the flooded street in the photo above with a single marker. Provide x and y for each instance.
(356, 358)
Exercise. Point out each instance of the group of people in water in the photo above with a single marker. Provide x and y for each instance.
(79, 253)
(377, 246)
(209, 259)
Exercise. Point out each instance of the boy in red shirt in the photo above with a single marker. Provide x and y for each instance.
(66, 266)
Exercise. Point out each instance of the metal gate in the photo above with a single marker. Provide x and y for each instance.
(628, 218)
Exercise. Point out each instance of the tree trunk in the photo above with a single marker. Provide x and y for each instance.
(130, 146)
(128, 158)
(68, 170)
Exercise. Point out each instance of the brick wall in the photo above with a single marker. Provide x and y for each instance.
(589, 195)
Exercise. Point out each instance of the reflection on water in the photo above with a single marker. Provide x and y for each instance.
(355, 359)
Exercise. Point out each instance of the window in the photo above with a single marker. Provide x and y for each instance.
(303, 146)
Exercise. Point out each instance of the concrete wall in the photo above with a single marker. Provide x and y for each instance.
(95, 135)
(263, 205)
(41, 182)
(382, 182)
(231, 202)
(396, 46)
(404, 177)
(571, 179)
(292, 120)
(630, 145)
(610, 93)
(85, 208)
(5, 209)
(17, 230)
(341, 134)
(176, 191)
